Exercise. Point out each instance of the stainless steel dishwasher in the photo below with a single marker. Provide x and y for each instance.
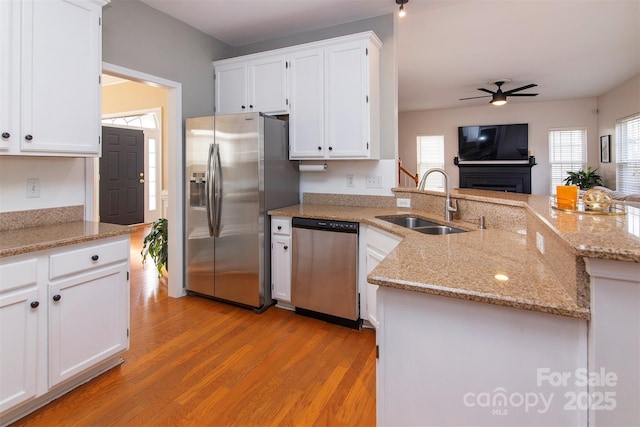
(324, 270)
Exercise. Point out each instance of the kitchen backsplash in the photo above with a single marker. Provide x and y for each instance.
(40, 217)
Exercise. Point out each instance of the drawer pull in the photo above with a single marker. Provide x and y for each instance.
(6, 135)
(56, 297)
(35, 304)
(28, 137)
(286, 247)
(94, 257)
(279, 227)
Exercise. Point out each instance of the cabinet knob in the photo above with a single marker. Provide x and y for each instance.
(35, 304)
(94, 257)
(286, 247)
(279, 227)
(319, 148)
(6, 135)
(250, 106)
(28, 137)
(330, 148)
(56, 297)
(243, 107)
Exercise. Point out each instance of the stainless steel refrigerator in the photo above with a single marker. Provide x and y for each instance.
(237, 169)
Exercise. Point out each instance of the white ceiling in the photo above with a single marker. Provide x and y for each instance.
(449, 48)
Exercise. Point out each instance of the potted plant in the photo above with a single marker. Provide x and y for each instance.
(584, 179)
(155, 245)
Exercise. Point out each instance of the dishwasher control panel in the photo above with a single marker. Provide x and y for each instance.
(324, 224)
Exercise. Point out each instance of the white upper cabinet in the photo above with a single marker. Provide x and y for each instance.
(306, 119)
(259, 84)
(349, 99)
(333, 89)
(52, 105)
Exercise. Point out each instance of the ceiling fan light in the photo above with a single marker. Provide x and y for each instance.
(499, 99)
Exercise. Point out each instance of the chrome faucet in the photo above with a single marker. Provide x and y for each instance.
(448, 207)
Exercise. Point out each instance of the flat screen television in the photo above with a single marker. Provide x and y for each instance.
(493, 142)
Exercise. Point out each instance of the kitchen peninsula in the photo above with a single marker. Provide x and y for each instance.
(455, 341)
(64, 302)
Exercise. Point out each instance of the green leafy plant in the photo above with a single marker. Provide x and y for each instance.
(155, 245)
(584, 179)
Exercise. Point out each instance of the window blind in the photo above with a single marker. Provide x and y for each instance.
(628, 155)
(431, 155)
(567, 152)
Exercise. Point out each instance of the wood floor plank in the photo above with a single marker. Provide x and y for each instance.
(199, 362)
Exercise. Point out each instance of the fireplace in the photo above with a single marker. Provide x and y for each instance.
(513, 178)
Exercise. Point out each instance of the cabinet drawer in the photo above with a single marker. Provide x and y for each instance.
(281, 226)
(74, 261)
(18, 274)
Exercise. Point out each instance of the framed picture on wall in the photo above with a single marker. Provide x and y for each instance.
(605, 149)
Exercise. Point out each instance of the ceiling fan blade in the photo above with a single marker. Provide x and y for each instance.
(521, 94)
(475, 97)
(486, 90)
(508, 92)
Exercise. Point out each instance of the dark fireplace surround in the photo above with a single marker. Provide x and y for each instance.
(497, 176)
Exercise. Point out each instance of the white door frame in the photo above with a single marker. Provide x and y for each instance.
(174, 143)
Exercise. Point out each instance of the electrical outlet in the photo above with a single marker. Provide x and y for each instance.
(373, 181)
(351, 180)
(540, 242)
(33, 187)
(403, 203)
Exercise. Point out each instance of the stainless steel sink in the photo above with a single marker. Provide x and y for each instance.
(421, 225)
(409, 221)
(438, 229)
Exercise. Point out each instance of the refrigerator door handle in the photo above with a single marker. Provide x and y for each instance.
(209, 188)
(217, 188)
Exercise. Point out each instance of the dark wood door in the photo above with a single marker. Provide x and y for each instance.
(122, 176)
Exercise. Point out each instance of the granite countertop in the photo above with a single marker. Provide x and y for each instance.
(31, 239)
(465, 265)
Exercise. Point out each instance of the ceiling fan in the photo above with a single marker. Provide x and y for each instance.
(499, 97)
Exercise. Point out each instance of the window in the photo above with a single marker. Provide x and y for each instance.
(628, 155)
(567, 152)
(431, 155)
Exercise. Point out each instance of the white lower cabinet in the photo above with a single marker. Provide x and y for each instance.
(20, 313)
(60, 325)
(379, 245)
(281, 260)
(88, 321)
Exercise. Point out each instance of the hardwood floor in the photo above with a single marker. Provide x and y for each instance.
(197, 362)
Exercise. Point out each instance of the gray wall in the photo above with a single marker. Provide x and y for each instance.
(138, 37)
(383, 26)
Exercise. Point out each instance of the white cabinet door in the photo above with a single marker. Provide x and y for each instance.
(231, 88)
(281, 267)
(88, 320)
(268, 85)
(9, 74)
(61, 66)
(347, 101)
(373, 259)
(19, 315)
(306, 121)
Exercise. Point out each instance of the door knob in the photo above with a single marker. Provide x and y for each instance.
(141, 181)
(141, 174)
